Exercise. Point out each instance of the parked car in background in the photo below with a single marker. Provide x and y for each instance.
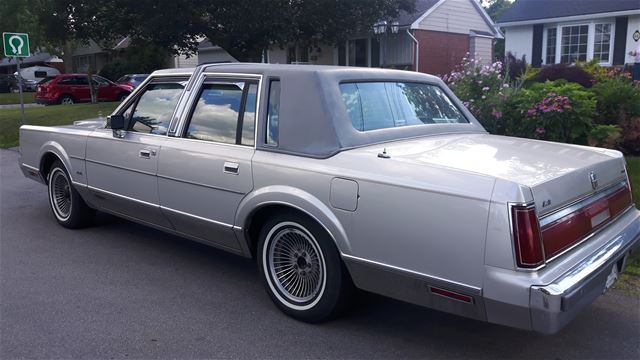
(73, 88)
(132, 79)
(28, 85)
(335, 177)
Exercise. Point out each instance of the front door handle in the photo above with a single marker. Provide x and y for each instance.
(146, 153)
(231, 168)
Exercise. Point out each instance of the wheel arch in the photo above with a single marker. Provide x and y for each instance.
(258, 206)
(66, 94)
(50, 152)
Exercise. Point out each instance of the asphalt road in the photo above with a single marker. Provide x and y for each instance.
(120, 290)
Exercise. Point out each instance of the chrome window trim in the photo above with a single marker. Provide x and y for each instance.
(132, 97)
(527, 205)
(580, 203)
(185, 104)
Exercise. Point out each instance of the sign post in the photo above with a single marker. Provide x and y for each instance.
(17, 45)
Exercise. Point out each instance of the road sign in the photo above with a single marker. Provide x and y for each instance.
(16, 44)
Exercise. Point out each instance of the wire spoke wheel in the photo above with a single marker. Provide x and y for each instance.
(60, 194)
(295, 264)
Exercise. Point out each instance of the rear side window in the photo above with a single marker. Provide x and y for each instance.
(153, 110)
(67, 81)
(273, 113)
(381, 105)
(225, 113)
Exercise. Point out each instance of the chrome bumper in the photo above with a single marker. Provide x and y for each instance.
(556, 304)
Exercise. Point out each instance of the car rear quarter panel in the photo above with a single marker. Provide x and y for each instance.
(426, 220)
(66, 143)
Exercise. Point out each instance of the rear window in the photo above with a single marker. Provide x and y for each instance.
(46, 80)
(381, 105)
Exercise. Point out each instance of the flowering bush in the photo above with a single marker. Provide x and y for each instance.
(483, 90)
(553, 110)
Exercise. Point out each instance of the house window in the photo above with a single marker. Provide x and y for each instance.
(358, 52)
(573, 46)
(551, 46)
(298, 55)
(602, 42)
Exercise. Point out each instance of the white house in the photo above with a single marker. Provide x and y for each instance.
(565, 31)
(432, 39)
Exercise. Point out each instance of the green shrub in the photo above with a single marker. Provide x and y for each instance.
(116, 68)
(607, 136)
(617, 99)
(553, 110)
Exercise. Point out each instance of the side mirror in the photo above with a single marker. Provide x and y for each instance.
(117, 122)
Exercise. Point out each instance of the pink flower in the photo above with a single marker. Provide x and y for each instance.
(531, 111)
(486, 88)
(540, 130)
(496, 114)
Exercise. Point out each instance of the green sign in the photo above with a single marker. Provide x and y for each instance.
(16, 44)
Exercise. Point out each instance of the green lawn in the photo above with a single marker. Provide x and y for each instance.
(14, 98)
(48, 116)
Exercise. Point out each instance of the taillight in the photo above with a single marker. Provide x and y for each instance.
(526, 236)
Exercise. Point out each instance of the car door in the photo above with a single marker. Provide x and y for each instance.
(204, 174)
(121, 171)
(79, 88)
(105, 90)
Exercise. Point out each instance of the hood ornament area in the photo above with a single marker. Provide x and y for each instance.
(594, 180)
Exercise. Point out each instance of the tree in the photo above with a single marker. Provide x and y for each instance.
(242, 27)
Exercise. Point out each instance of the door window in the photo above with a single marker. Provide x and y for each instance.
(225, 113)
(152, 112)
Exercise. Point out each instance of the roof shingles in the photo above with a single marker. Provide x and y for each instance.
(527, 10)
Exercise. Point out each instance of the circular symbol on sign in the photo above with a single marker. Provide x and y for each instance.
(636, 35)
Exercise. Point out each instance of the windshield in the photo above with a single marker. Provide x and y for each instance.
(381, 105)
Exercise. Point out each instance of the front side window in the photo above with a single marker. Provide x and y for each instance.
(219, 116)
(152, 112)
(602, 42)
(381, 105)
(573, 46)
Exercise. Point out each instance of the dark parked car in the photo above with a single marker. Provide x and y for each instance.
(132, 79)
(27, 84)
(72, 88)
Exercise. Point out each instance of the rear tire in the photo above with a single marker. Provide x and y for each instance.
(301, 268)
(67, 205)
(66, 100)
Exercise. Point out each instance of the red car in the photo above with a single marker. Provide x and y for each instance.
(73, 88)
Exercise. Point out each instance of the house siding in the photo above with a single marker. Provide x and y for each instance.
(632, 45)
(519, 41)
(482, 49)
(440, 52)
(455, 16)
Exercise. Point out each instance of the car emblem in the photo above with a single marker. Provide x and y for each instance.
(594, 180)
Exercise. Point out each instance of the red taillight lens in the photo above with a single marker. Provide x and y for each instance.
(526, 237)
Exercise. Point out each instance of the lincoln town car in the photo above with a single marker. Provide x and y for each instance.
(336, 179)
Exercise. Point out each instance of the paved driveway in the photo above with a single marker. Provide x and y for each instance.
(120, 290)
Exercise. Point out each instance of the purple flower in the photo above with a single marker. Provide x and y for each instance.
(496, 114)
(531, 111)
(540, 130)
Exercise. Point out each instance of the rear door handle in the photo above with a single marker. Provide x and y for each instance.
(231, 168)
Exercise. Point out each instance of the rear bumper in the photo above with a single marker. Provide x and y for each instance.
(547, 300)
(556, 304)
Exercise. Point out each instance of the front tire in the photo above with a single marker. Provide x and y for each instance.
(67, 206)
(301, 268)
(122, 96)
